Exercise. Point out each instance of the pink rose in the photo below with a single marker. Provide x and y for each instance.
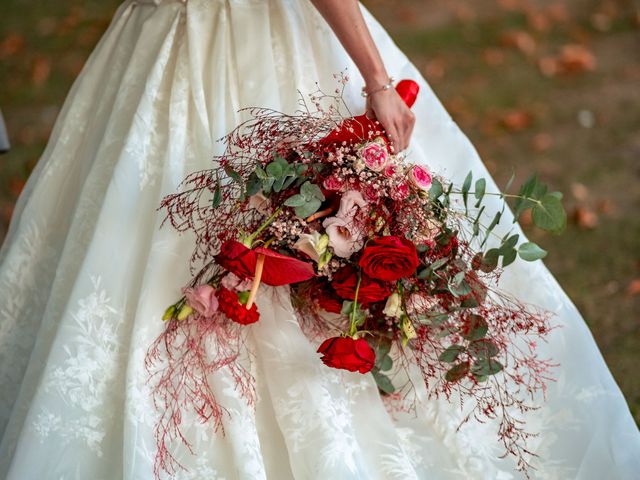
(420, 177)
(374, 155)
(202, 299)
(400, 192)
(390, 170)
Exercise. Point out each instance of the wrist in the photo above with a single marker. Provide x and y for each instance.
(368, 90)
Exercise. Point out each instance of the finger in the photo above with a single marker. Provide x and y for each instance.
(401, 136)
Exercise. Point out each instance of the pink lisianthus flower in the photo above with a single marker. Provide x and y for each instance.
(420, 177)
(374, 155)
(344, 237)
(202, 299)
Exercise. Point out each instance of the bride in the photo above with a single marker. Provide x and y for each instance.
(86, 272)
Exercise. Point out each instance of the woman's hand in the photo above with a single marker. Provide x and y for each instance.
(346, 20)
(393, 114)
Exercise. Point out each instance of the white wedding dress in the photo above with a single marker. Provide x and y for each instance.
(86, 273)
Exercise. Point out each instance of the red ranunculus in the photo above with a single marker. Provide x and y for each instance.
(389, 258)
(347, 354)
(234, 310)
(370, 291)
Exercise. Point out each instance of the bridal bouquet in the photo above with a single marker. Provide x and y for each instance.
(388, 265)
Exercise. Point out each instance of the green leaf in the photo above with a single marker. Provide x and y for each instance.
(311, 191)
(509, 257)
(492, 225)
(531, 252)
(509, 243)
(549, 214)
(260, 173)
(466, 186)
(469, 302)
(451, 353)
(460, 290)
(276, 169)
(532, 189)
(278, 183)
(347, 307)
(482, 348)
(308, 208)
(490, 260)
(254, 184)
(386, 363)
(383, 382)
(217, 196)
(267, 184)
(478, 328)
(481, 185)
(509, 183)
(295, 201)
(486, 366)
(457, 372)
(436, 189)
(235, 176)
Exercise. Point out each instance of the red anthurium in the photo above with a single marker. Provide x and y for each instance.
(277, 270)
(357, 129)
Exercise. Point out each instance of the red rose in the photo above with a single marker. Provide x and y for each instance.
(330, 304)
(370, 291)
(234, 310)
(389, 258)
(347, 354)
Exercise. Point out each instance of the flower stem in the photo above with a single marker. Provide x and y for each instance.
(256, 281)
(248, 241)
(354, 308)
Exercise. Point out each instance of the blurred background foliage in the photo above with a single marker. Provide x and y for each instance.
(548, 86)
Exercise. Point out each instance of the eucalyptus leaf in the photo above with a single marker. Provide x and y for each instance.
(481, 185)
(482, 348)
(531, 252)
(549, 214)
(235, 176)
(254, 184)
(436, 189)
(457, 372)
(509, 257)
(308, 208)
(217, 196)
(466, 186)
(486, 366)
(295, 201)
(384, 383)
(451, 353)
(478, 328)
(386, 363)
(460, 290)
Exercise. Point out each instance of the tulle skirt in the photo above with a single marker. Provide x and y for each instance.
(86, 273)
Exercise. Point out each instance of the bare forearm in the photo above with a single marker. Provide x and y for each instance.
(345, 19)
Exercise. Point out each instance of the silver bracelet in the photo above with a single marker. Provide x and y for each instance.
(386, 86)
